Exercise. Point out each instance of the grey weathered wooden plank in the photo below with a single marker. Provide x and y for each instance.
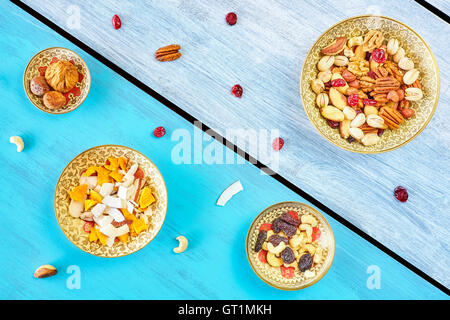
(264, 52)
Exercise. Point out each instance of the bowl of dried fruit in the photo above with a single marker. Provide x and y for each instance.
(290, 245)
(110, 201)
(56, 80)
(370, 84)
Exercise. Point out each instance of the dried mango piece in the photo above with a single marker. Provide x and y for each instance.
(103, 176)
(123, 163)
(116, 175)
(112, 164)
(79, 193)
(90, 171)
(128, 215)
(89, 204)
(139, 225)
(94, 195)
(146, 198)
(93, 235)
(123, 238)
(101, 237)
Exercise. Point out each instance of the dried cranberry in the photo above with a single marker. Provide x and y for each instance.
(265, 227)
(401, 194)
(293, 213)
(287, 272)
(367, 57)
(237, 90)
(350, 139)
(380, 132)
(277, 144)
(353, 100)
(327, 85)
(116, 22)
(159, 132)
(338, 83)
(372, 74)
(333, 124)
(231, 18)
(379, 56)
(315, 234)
(369, 102)
(262, 256)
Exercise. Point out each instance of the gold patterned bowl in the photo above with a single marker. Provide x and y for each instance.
(272, 275)
(72, 227)
(415, 48)
(41, 61)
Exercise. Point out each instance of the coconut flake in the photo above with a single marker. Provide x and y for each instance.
(229, 192)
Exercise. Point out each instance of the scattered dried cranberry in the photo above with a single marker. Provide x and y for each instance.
(378, 55)
(116, 22)
(401, 194)
(237, 90)
(369, 102)
(372, 74)
(262, 256)
(287, 272)
(277, 144)
(265, 227)
(231, 18)
(159, 132)
(380, 132)
(338, 83)
(350, 139)
(139, 174)
(333, 124)
(353, 100)
(316, 233)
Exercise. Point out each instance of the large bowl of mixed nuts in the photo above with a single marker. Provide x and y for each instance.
(370, 84)
(290, 245)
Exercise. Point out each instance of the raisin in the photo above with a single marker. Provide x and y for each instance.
(286, 217)
(305, 262)
(275, 240)
(260, 240)
(287, 255)
(279, 225)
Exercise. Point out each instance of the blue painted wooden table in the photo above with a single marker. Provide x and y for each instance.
(215, 264)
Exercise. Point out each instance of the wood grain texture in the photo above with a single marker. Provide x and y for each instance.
(264, 52)
(214, 266)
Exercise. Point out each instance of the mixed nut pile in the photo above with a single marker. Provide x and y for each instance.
(365, 86)
(290, 243)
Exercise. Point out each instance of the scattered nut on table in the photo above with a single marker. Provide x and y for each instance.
(183, 243)
(18, 142)
(45, 271)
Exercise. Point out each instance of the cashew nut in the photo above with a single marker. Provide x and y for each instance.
(310, 248)
(18, 142)
(276, 250)
(183, 243)
(309, 219)
(307, 228)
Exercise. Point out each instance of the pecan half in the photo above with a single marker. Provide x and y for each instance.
(392, 118)
(168, 53)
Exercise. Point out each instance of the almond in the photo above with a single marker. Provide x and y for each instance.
(335, 47)
(332, 113)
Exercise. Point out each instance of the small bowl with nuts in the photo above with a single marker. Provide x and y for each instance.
(56, 80)
(370, 84)
(290, 245)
